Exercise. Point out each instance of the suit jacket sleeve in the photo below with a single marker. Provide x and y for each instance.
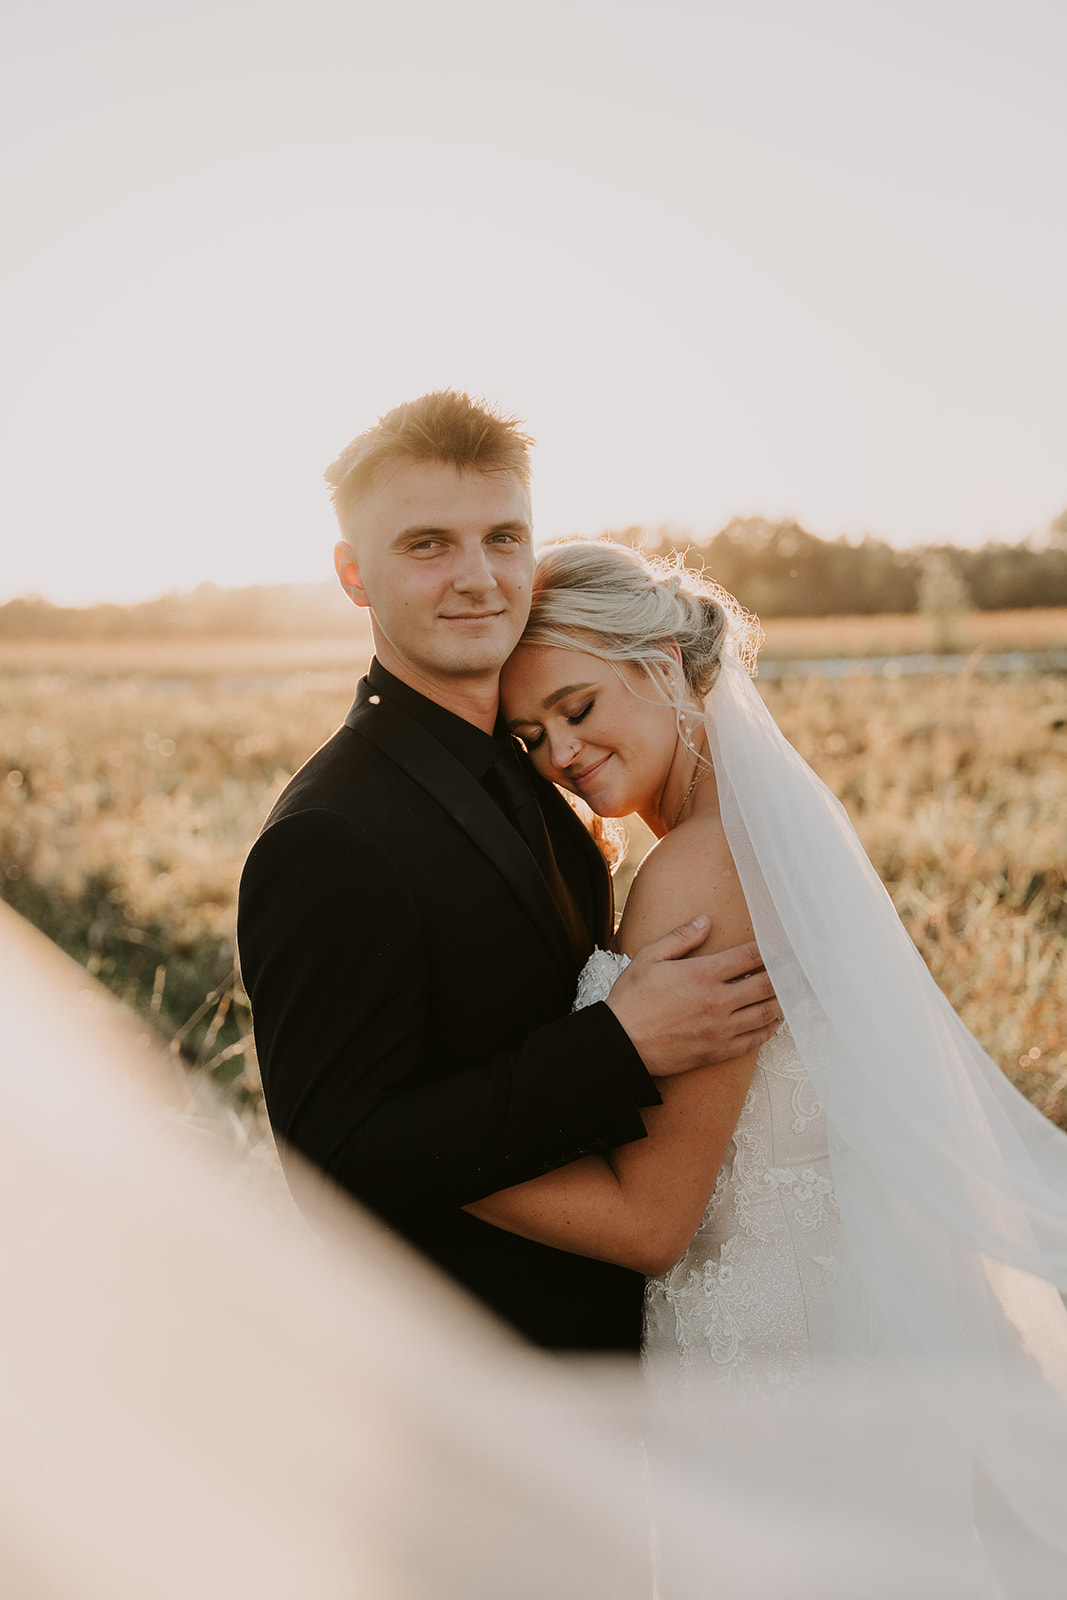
(336, 971)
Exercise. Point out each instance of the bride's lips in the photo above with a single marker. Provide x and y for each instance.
(580, 779)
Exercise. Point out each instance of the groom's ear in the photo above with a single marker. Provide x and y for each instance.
(344, 562)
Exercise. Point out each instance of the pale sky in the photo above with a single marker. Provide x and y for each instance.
(800, 257)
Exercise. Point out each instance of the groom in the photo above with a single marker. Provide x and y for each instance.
(416, 911)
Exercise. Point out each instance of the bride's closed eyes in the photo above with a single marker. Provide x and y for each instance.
(531, 738)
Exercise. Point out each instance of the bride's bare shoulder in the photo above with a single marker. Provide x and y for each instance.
(687, 871)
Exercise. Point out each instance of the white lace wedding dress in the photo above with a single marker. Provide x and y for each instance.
(749, 1303)
(932, 1253)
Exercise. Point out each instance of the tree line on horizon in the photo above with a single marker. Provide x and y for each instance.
(775, 569)
(778, 569)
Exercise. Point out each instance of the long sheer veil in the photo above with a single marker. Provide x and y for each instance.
(202, 1394)
(952, 1188)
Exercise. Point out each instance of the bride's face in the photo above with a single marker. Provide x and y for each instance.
(603, 730)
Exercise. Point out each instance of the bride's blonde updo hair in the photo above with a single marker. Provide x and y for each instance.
(620, 605)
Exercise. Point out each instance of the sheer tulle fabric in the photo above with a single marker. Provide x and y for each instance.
(952, 1188)
(203, 1396)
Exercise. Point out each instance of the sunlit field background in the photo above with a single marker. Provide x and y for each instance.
(134, 776)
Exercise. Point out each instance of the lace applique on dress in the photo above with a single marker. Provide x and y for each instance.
(813, 1192)
(749, 1300)
(779, 1056)
(717, 1299)
(597, 977)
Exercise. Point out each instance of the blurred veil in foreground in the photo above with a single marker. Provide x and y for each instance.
(204, 1395)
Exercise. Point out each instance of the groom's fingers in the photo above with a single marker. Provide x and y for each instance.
(746, 1006)
(741, 962)
(681, 1014)
(753, 1010)
(749, 990)
(723, 967)
(731, 980)
(679, 942)
(742, 1043)
(753, 1019)
(736, 981)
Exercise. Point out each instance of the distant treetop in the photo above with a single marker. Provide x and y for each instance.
(776, 569)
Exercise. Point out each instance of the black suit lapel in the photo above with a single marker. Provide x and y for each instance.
(417, 753)
(582, 854)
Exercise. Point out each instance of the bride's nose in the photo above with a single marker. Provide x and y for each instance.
(563, 749)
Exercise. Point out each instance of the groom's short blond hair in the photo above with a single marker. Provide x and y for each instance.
(444, 426)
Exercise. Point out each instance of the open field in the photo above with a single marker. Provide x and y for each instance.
(133, 779)
(787, 637)
(179, 659)
(995, 632)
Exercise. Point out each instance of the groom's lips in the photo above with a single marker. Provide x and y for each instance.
(470, 616)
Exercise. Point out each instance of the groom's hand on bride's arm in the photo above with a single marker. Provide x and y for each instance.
(681, 1014)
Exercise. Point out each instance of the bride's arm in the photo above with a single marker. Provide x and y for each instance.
(640, 1205)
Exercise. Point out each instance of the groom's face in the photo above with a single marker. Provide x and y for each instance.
(444, 560)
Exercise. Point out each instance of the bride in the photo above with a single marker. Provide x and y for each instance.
(867, 1189)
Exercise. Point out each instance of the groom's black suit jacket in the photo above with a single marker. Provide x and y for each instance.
(411, 973)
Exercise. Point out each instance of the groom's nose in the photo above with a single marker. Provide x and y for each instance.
(472, 572)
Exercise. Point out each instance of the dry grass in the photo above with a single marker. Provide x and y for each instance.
(128, 803)
(988, 631)
(91, 660)
(958, 789)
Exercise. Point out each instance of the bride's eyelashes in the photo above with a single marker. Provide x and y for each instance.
(533, 741)
(573, 717)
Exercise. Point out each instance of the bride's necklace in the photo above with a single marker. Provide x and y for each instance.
(698, 773)
(702, 766)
